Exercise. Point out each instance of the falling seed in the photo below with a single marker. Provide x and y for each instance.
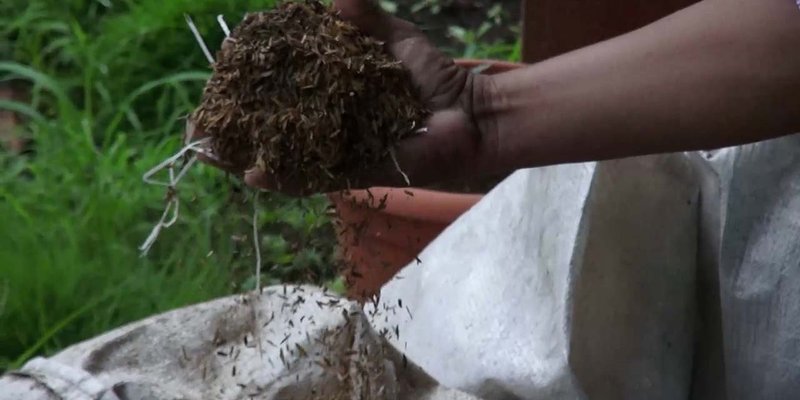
(301, 350)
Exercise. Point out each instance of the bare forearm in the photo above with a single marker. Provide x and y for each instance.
(722, 72)
(719, 73)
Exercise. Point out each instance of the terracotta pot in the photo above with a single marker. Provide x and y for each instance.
(376, 241)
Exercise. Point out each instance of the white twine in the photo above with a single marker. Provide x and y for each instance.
(223, 25)
(199, 38)
(256, 243)
(397, 166)
(173, 203)
(151, 238)
(170, 162)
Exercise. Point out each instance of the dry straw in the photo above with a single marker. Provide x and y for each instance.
(201, 147)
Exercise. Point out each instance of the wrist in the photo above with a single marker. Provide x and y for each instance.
(485, 103)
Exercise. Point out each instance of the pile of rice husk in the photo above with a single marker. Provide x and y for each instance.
(304, 96)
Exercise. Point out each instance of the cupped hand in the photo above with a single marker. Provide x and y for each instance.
(455, 145)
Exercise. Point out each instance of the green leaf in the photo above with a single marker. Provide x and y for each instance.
(457, 32)
(389, 6)
(125, 107)
(15, 70)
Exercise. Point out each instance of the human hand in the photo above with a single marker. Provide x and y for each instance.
(455, 145)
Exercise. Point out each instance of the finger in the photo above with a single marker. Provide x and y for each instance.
(436, 75)
(259, 179)
(193, 134)
(368, 16)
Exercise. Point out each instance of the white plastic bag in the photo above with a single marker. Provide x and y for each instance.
(566, 282)
(288, 343)
(759, 267)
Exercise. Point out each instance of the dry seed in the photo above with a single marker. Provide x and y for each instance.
(337, 101)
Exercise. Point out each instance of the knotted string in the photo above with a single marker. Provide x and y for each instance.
(173, 202)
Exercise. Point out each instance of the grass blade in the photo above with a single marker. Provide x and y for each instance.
(23, 109)
(126, 106)
(36, 77)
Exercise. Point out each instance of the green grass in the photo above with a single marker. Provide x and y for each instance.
(108, 89)
(109, 83)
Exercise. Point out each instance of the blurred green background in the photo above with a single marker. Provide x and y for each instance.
(98, 89)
